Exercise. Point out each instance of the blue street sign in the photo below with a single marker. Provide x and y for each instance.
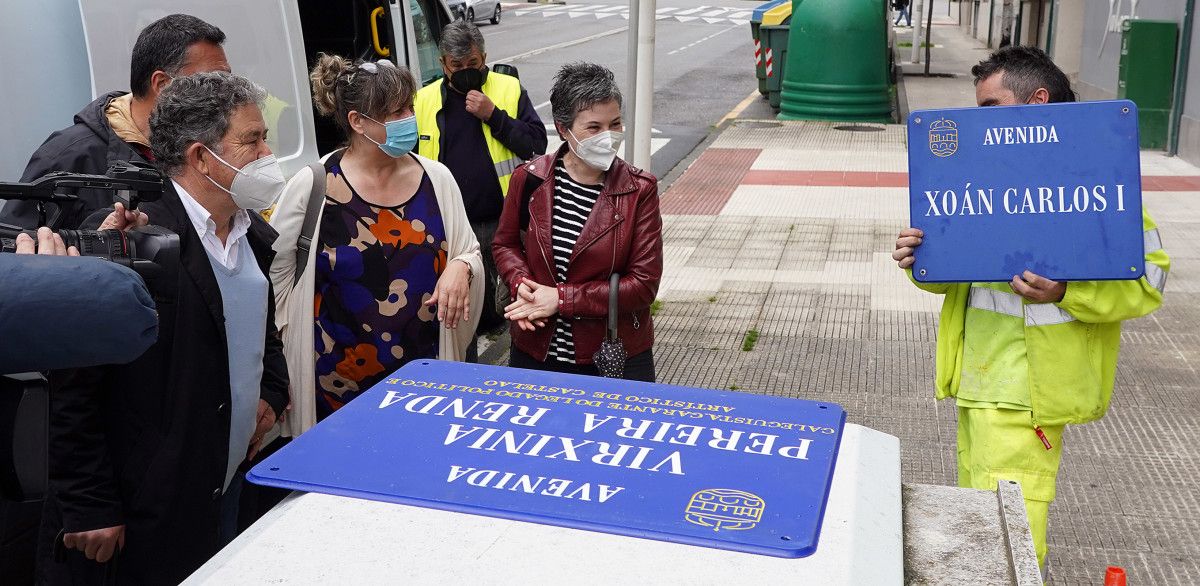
(1055, 189)
(727, 470)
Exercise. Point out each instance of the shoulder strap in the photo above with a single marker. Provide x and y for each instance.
(532, 182)
(315, 198)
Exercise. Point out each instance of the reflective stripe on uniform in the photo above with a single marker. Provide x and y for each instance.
(1156, 276)
(1151, 240)
(504, 168)
(1011, 304)
(995, 301)
(1046, 314)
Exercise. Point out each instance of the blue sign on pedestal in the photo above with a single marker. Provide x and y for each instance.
(728, 470)
(1055, 189)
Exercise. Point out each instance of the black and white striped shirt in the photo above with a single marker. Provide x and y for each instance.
(573, 203)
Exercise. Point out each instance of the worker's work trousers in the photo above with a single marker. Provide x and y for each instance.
(1000, 444)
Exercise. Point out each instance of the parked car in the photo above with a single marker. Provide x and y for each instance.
(475, 10)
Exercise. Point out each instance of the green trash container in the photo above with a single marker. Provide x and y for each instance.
(770, 13)
(775, 48)
(844, 72)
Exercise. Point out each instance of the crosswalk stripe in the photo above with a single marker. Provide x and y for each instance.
(709, 14)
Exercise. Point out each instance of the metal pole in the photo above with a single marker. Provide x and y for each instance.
(916, 41)
(644, 92)
(1050, 30)
(631, 49)
(1019, 39)
(928, 43)
(991, 19)
(1181, 71)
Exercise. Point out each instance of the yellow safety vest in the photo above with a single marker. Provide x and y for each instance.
(505, 93)
(1071, 346)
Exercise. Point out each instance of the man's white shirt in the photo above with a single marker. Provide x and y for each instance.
(206, 228)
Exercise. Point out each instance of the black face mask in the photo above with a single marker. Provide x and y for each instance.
(466, 80)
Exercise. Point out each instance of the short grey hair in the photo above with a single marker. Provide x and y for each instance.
(197, 108)
(459, 37)
(579, 86)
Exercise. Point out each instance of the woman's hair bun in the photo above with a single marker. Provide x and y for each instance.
(324, 79)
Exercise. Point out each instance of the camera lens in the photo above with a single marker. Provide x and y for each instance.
(106, 244)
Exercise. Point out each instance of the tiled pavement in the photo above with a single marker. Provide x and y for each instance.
(789, 251)
(786, 228)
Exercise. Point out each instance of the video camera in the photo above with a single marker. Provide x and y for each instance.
(151, 251)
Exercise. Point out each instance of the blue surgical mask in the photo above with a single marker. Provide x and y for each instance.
(401, 135)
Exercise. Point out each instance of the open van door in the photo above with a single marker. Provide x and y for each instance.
(404, 31)
(263, 42)
(273, 43)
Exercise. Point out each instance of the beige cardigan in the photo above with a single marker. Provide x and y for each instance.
(294, 304)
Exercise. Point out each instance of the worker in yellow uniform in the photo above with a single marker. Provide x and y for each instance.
(1025, 358)
(482, 126)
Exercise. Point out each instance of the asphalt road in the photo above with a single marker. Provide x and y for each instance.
(703, 67)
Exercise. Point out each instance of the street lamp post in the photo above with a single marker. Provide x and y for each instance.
(639, 116)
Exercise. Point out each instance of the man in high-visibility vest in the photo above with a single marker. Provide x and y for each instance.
(1026, 357)
(481, 125)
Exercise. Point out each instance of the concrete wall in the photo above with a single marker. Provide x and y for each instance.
(1100, 55)
(1189, 129)
(1097, 78)
(1067, 41)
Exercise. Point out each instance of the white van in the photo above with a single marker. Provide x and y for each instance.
(58, 55)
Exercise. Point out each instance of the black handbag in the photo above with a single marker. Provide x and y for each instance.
(610, 358)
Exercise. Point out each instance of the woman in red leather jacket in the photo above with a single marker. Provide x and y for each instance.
(572, 219)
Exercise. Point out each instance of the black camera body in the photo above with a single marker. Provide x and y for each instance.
(151, 251)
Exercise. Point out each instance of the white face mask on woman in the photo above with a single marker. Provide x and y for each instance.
(598, 151)
(255, 186)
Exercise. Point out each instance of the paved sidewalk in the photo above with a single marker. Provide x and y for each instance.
(786, 228)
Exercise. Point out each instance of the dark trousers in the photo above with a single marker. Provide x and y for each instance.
(637, 367)
(19, 523)
(489, 319)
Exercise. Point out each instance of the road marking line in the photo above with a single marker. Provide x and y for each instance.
(613, 8)
(738, 109)
(563, 45)
(686, 47)
(692, 10)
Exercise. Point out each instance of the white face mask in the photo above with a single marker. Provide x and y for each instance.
(256, 186)
(598, 151)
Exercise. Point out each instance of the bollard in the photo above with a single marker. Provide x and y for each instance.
(1114, 576)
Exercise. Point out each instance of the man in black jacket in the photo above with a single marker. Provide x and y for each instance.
(116, 126)
(143, 456)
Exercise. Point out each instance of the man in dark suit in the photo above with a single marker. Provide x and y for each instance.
(143, 456)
